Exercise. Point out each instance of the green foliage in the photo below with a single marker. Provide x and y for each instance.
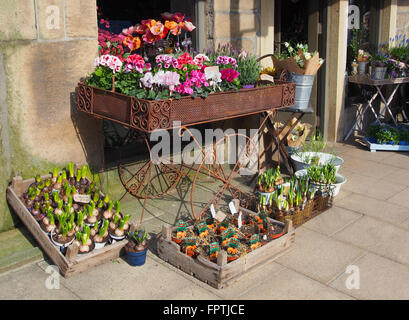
(138, 236)
(101, 78)
(322, 174)
(249, 69)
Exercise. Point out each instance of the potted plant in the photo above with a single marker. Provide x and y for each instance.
(100, 237)
(363, 60)
(315, 152)
(137, 247)
(323, 178)
(249, 70)
(379, 66)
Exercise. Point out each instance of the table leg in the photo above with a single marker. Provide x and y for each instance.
(387, 103)
(368, 105)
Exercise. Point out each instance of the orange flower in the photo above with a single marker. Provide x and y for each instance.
(232, 250)
(190, 248)
(204, 234)
(225, 242)
(173, 27)
(181, 234)
(255, 245)
(133, 43)
(214, 255)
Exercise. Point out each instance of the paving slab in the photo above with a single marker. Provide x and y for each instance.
(250, 280)
(401, 198)
(367, 167)
(363, 153)
(372, 186)
(383, 210)
(29, 283)
(291, 285)
(397, 159)
(332, 220)
(379, 278)
(378, 237)
(319, 257)
(399, 176)
(116, 279)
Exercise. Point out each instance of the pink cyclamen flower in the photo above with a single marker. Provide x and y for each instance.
(229, 74)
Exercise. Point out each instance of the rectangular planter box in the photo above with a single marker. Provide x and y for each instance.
(67, 266)
(150, 115)
(222, 274)
(373, 147)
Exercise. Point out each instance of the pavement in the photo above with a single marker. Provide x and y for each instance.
(358, 249)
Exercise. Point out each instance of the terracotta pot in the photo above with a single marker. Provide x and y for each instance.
(178, 241)
(230, 259)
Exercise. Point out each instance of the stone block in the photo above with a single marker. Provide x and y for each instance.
(235, 25)
(50, 15)
(17, 20)
(81, 19)
(45, 125)
(235, 5)
(248, 45)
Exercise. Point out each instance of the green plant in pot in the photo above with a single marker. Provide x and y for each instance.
(249, 69)
(137, 247)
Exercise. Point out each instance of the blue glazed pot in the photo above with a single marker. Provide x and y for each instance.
(392, 143)
(372, 140)
(137, 258)
(402, 143)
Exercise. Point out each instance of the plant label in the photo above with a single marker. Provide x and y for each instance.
(239, 220)
(266, 77)
(212, 211)
(82, 198)
(214, 247)
(232, 208)
(234, 243)
(254, 239)
(181, 226)
(202, 227)
(190, 241)
(220, 216)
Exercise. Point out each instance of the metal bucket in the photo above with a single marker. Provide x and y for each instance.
(378, 73)
(362, 67)
(302, 90)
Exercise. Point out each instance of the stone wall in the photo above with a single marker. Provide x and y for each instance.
(402, 19)
(235, 21)
(46, 46)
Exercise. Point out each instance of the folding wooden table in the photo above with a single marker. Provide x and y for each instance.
(378, 84)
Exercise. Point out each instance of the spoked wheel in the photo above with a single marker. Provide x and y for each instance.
(232, 176)
(145, 179)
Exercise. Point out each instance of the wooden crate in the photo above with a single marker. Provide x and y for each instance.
(222, 274)
(71, 263)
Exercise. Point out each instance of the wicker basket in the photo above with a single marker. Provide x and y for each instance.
(308, 209)
(296, 216)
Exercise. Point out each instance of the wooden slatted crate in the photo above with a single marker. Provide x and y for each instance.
(69, 264)
(222, 274)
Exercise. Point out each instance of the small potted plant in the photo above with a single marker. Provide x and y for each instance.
(249, 70)
(379, 68)
(137, 247)
(363, 60)
(100, 237)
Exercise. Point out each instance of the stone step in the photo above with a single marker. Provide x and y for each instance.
(17, 248)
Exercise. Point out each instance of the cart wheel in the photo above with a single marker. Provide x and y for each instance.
(232, 179)
(145, 179)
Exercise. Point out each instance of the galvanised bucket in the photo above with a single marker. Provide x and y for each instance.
(302, 90)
